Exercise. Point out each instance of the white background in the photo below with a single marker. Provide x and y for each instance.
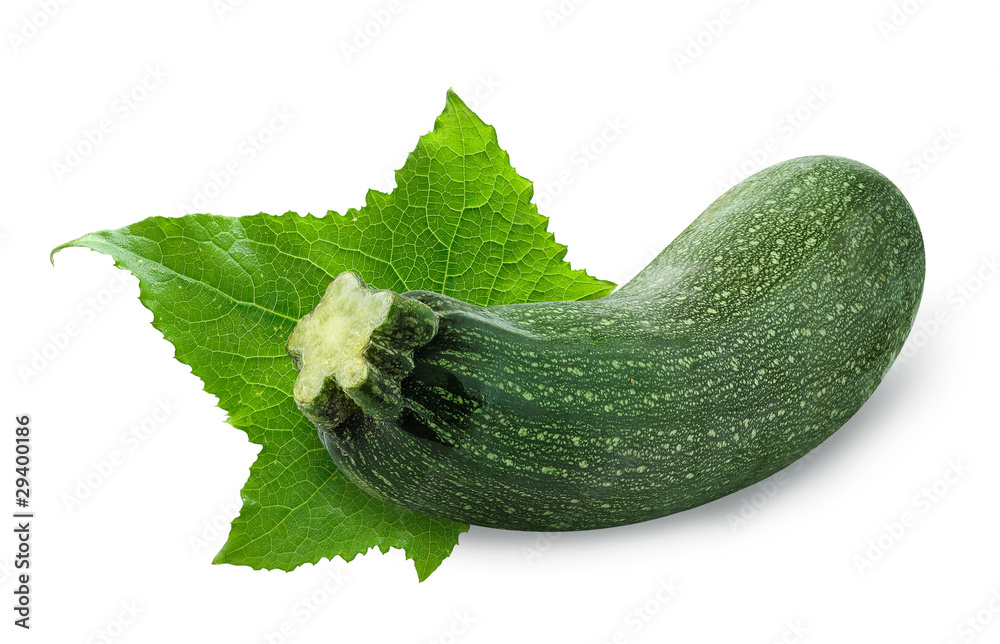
(817, 556)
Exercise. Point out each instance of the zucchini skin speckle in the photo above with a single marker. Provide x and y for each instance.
(749, 340)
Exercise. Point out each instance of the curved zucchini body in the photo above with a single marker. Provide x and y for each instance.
(755, 335)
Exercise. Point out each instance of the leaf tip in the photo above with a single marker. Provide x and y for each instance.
(52, 255)
(454, 102)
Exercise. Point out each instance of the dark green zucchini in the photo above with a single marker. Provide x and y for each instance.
(755, 335)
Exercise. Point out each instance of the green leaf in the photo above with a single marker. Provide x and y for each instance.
(228, 291)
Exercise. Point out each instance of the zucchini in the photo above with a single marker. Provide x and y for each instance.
(749, 340)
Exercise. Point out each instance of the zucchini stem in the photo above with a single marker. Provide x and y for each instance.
(353, 350)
